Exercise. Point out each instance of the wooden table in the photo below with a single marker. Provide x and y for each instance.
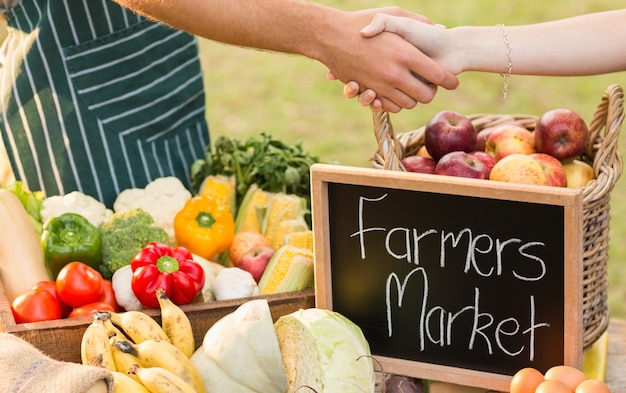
(616, 363)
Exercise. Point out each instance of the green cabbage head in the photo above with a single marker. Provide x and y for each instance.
(326, 351)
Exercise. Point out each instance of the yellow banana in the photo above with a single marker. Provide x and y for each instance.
(138, 326)
(158, 353)
(124, 383)
(176, 324)
(160, 380)
(124, 360)
(94, 347)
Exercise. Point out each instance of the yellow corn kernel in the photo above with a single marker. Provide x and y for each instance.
(251, 211)
(290, 269)
(222, 189)
(286, 227)
(302, 239)
(281, 207)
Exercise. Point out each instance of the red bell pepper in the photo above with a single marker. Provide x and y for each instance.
(173, 269)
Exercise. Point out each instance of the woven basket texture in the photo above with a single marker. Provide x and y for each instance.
(602, 153)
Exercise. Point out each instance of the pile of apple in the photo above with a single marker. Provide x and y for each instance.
(509, 152)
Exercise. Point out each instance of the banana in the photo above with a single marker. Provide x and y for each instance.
(138, 326)
(160, 380)
(176, 324)
(124, 383)
(94, 347)
(124, 360)
(162, 354)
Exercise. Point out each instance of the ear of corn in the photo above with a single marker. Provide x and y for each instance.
(282, 207)
(290, 269)
(286, 227)
(252, 210)
(222, 189)
(302, 239)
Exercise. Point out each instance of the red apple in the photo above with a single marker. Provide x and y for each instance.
(419, 164)
(449, 131)
(255, 261)
(462, 164)
(510, 139)
(243, 242)
(518, 168)
(561, 133)
(485, 132)
(552, 168)
(485, 157)
(578, 173)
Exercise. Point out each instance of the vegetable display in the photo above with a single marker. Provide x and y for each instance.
(75, 202)
(172, 269)
(67, 238)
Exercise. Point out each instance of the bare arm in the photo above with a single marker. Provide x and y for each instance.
(331, 36)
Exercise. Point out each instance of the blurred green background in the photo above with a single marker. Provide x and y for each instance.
(250, 91)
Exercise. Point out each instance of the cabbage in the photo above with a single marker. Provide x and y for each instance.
(326, 351)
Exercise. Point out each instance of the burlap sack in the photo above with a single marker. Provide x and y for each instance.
(25, 369)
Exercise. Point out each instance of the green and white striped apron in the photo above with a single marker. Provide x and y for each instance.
(98, 99)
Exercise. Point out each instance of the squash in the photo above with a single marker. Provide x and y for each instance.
(21, 258)
(240, 353)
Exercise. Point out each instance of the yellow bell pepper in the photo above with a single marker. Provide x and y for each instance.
(204, 227)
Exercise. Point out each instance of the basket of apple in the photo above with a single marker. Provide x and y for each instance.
(556, 148)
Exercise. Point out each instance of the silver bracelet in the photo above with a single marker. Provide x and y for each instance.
(509, 66)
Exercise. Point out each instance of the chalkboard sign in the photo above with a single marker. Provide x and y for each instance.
(451, 279)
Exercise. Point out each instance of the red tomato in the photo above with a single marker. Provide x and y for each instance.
(108, 295)
(86, 309)
(51, 286)
(35, 305)
(79, 284)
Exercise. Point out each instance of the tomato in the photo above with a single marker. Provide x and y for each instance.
(87, 309)
(526, 380)
(108, 295)
(51, 287)
(35, 305)
(567, 375)
(79, 284)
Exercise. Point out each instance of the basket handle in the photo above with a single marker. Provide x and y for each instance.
(604, 148)
(390, 151)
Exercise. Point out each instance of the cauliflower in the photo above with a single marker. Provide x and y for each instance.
(162, 199)
(75, 202)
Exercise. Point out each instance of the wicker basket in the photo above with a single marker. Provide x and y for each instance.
(602, 153)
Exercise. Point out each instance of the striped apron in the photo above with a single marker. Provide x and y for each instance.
(98, 99)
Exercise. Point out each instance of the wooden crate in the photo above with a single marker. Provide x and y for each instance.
(60, 339)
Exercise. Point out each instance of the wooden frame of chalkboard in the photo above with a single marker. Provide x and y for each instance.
(451, 279)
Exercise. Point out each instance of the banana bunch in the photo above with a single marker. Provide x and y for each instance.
(143, 355)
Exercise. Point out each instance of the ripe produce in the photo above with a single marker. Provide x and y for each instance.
(558, 379)
(222, 189)
(462, 164)
(243, 242)
(526, 380)
(290, 269)
(485, 157)
(419, 164)
(20, 243)
(204, 227)
(578, 173)
(35, 305)
(552, 168)
(94, 348)
(256, 260)
(75, 202)
(158, 379)
(282, 207)
(79, 284)
(234, 283)
(124, 235)
(138, 326)
(159, 266)
(567, 375)
(562, 133)
(449, 131)
(123, 290)
(70, 237)
(87, 310)
(51, 286)
(518, 168)
(176, 325)
(510, 139)
(592, 386)
(552, 387)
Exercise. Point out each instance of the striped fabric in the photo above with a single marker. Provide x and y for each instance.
(97, 99)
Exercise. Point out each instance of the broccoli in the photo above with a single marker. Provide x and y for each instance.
(124, 235)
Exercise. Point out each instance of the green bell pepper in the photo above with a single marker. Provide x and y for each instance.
(67, 238)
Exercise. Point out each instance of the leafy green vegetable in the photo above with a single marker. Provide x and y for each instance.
(32, 202)
(272, 165)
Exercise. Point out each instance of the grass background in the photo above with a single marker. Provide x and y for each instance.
(250, 91)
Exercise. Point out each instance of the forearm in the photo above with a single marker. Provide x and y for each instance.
(583, 45)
